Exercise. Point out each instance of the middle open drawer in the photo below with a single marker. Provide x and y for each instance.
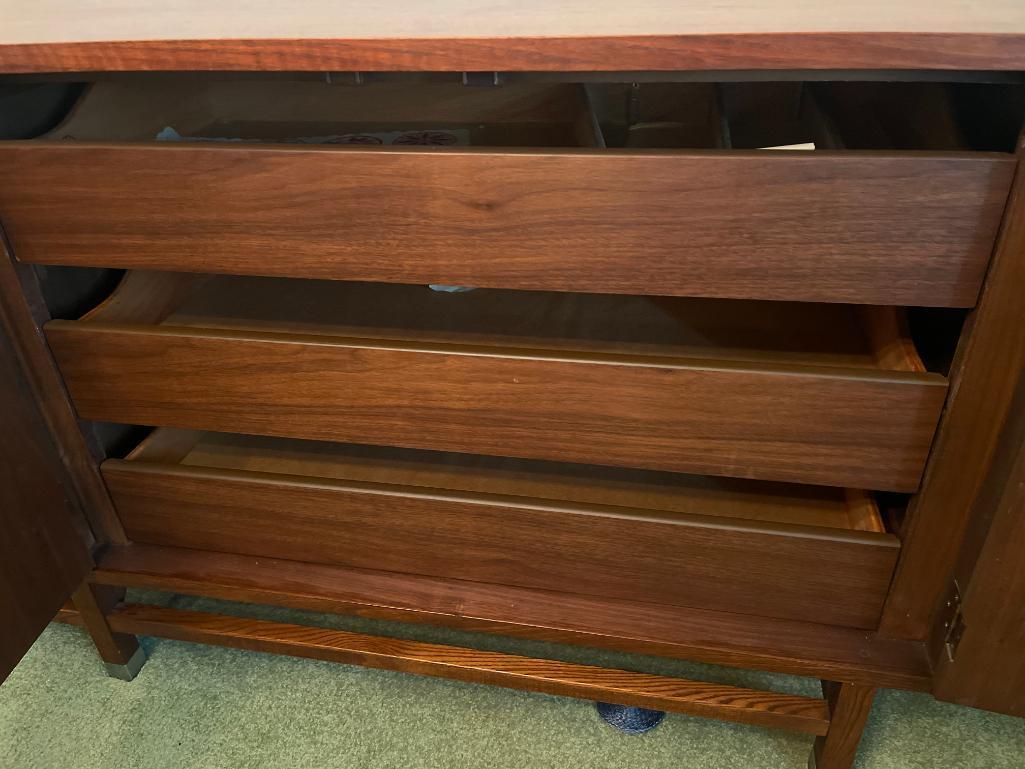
(822, 394)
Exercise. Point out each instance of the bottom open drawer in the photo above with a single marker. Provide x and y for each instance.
(778, 550)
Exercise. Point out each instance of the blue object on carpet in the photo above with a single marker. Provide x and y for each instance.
(629, 719)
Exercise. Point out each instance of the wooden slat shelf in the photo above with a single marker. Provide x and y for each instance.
(729, 703)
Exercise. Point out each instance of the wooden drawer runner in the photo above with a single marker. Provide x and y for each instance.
(823, 394)
(769, 549)
(900, 228)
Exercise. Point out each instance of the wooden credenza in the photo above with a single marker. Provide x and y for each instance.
(739, 379)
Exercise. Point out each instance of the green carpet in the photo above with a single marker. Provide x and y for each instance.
(204, 708)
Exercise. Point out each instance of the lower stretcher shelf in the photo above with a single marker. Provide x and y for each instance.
(697, 698)
(714, 637)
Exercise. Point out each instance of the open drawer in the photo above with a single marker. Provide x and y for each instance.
(521, 194)
(821, 394)
(771, 549)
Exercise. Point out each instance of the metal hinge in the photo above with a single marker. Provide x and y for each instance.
(953, 624)
(482, 78)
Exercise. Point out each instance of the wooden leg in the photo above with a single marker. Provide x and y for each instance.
(120, 652)
(849, 705)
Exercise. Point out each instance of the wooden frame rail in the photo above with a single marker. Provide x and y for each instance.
(782, 646)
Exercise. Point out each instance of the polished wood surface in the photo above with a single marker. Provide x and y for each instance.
(677, 329)
(474, 354)
(807, 50)
(146, 297)
(830, 575)
(987, 371)
(812, 425)
(459, 35)
(431, 471)
(985, 667)
(728, 703)
(93, 603)
(879, 228)
(849, 706)
(890, 338)
(43, 549)
(23, 312)
(785, 646)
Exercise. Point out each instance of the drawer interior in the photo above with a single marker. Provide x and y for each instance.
(396, 114)
(798, 115)
(436, 111)
(662, 328)
(670, 495)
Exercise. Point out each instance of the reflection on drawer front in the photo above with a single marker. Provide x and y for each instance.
(881, 229)
(770, 391)
(769, 549)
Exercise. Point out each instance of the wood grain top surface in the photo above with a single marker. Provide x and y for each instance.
(118, 35)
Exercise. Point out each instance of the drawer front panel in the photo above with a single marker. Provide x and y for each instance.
(873, 228)
(807, 425)
(820, 575)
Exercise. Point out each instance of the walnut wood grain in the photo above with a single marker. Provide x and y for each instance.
(53, 505)
(785, 646)
(458, 35)
(166, 445)
(617, 53)
(43, 555)
(983, 667)
(890, 338)
(23, 312)
(680, 328)
(829, 575)
(849, 706)
(877, 228)
(146, 297)
(810, 425)
(93, 604)
(724, 702)
(987, 371)
(666, 494)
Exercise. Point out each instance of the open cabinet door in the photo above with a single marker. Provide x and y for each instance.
(45, 539)
(979, 641)
(43, 536)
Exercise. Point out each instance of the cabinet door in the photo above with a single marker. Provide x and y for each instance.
(43, 550)
(979, 640)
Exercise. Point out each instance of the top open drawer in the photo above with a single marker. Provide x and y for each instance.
(513, 187)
